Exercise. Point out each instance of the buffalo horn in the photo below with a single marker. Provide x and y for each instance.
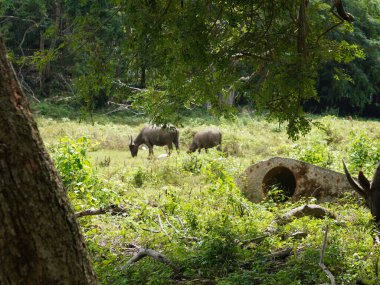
(353, 183)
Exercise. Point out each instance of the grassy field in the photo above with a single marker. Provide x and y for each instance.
(188, 207)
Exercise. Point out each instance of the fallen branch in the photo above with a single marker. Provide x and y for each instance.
(190, 238)
(112, 209)
(284, 253)
(162, 228)
(170, 224)
(315, 211)
(197, 281)
(144, 252)
(321, 264)
(122, 107)
(180, 221)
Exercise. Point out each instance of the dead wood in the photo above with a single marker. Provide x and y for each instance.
(112, 209)
(162, 228)
(321, 264)
(298, 235)
(312, 210)
(196, 281)
(144, 252)
(281, 254)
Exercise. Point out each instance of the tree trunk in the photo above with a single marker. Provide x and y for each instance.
(143, 76)
(40, 241)
(303, 29)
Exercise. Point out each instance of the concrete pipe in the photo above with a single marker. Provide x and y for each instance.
(296, 178)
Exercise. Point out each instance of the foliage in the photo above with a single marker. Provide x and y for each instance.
(349, 86)
(317, 152)
(83, 186)
(166, 58)
(276, 195)
(364, 153)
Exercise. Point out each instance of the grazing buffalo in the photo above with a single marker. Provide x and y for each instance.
(206, 139)
(370, 191)
(152, 135)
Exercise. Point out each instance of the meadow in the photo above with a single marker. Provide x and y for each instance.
(188, 208)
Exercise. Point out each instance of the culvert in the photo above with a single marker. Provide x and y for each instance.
(282, 178)
(297, 178)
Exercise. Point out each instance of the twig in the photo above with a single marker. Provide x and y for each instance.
(18, 18)
(112, 209)
(180, 221)
(151, 230)
(69, 87)
(190, 238)
(122, 107)
(162, 227)
(29, 91)
(170, 224)
(321, 264)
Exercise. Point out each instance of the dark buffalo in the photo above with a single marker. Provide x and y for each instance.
(152, 135)
(370, 191)
(206, 139)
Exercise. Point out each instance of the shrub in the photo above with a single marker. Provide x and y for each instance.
(316, 153)
(364, 153)
(73, 166)
(139, 177)
(85, 189)
(192, 164)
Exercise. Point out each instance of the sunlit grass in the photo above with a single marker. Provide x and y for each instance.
(173, 200)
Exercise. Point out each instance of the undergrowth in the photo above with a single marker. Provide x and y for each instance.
(189, 208)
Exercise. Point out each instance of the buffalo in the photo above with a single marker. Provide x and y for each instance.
(153, 135)
(370, 191)
(206, 139)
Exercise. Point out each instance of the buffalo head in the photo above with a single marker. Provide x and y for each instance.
(133, 148)
(370, 191)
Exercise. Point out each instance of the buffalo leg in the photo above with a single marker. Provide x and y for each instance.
(170, 147)
(150, 149)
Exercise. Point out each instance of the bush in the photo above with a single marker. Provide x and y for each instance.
(316, 153)
(364, 153)
(192, 164)
(139, 177)
(85, 189)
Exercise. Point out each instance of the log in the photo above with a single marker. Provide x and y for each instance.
(112, 209)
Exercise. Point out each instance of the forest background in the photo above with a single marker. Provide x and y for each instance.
(167, 57)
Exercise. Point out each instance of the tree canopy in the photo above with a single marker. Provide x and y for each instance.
(168, 56)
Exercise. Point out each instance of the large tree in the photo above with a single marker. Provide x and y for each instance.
(198, 51)
(40, 241)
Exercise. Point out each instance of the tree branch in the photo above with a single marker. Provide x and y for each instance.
(144, 252)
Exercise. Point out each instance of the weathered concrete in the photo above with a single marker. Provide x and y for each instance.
(298, 179)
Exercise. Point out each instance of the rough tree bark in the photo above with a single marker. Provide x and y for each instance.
(40, 241)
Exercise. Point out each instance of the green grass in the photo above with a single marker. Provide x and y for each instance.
(189, 208)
